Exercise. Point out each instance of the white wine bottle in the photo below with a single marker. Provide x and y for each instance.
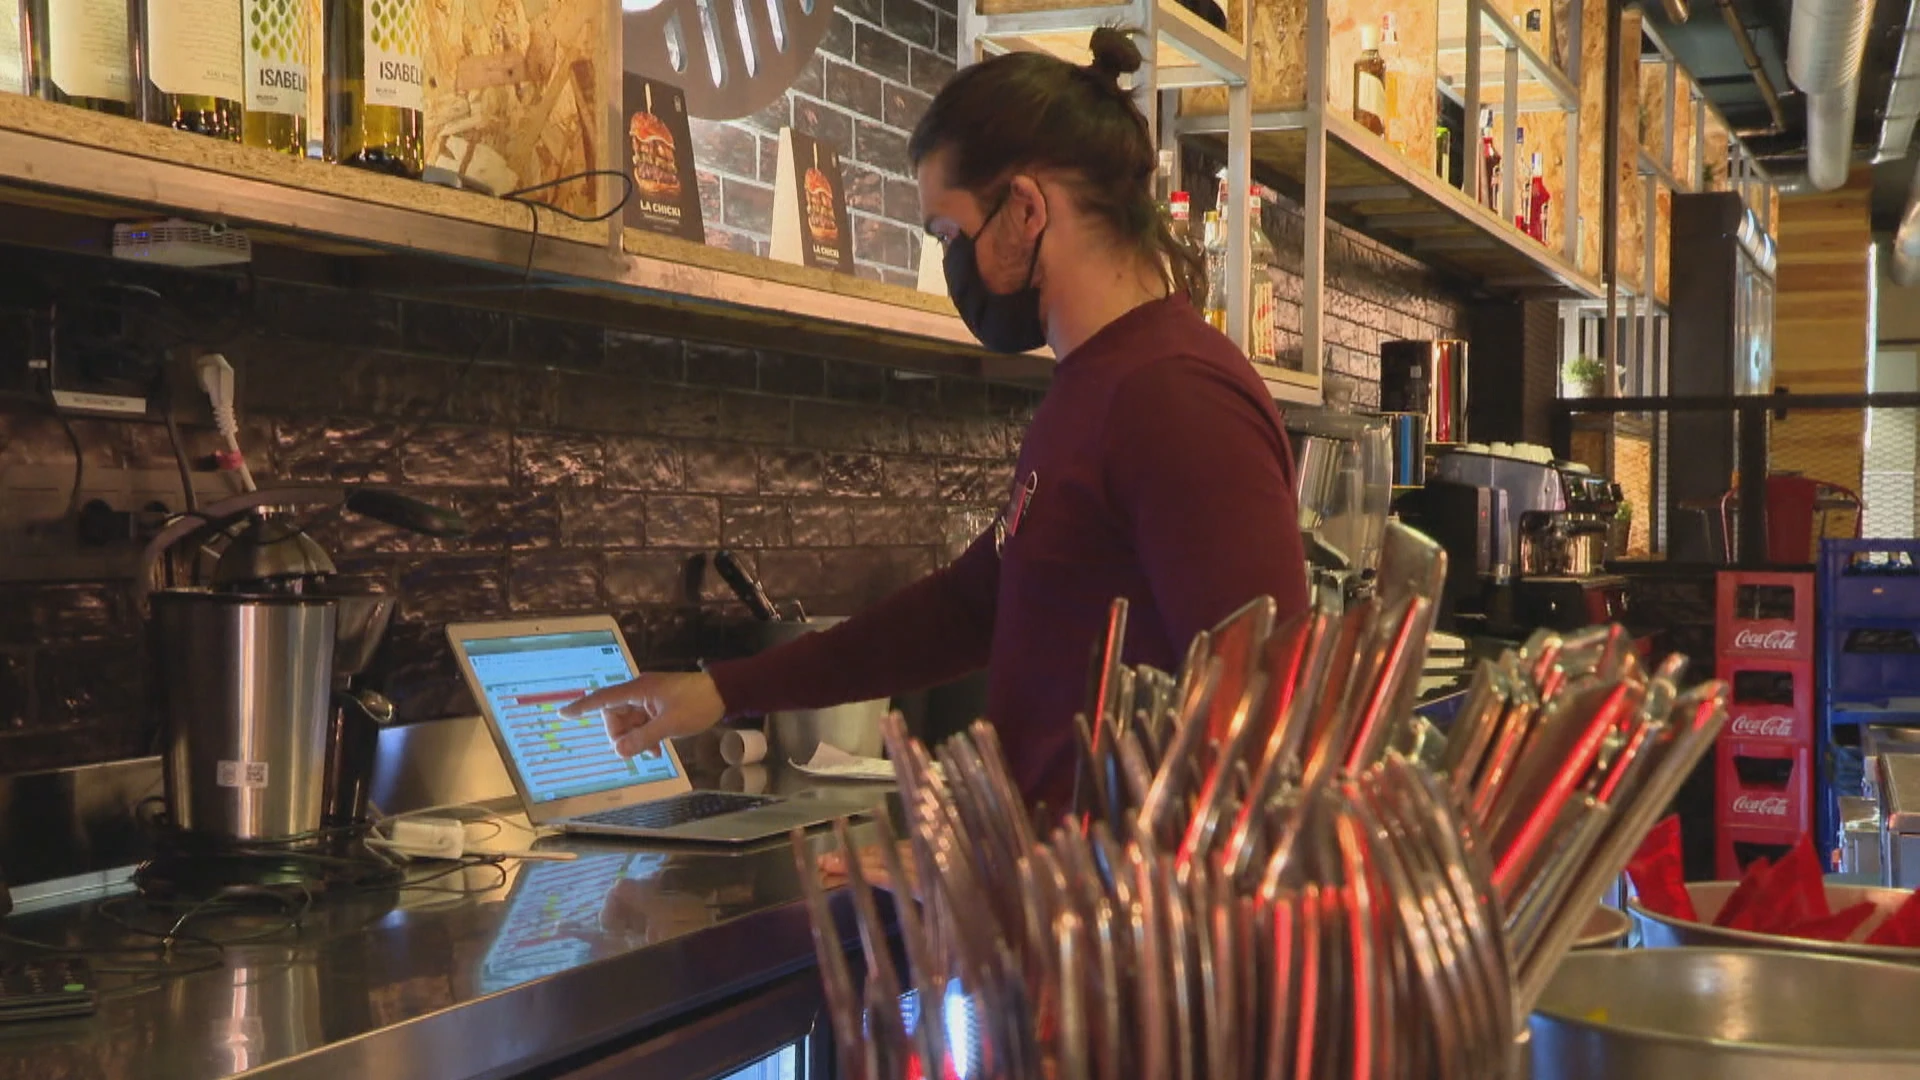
(191, 67)
(278, 67)
(13, 48)
(376, 84)
(78, 53)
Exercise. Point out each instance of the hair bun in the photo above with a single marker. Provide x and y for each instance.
(1114, 54)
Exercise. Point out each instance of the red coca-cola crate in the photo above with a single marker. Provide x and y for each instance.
(1769, 700)
(1764, 614)
(1764, 785)
(1734, 848)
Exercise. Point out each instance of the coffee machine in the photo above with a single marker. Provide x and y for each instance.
(267, 742)
(1534, 529)
(1343, 472)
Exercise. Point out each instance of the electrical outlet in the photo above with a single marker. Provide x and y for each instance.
(39, 541)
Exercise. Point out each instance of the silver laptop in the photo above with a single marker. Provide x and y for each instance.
(566, 771)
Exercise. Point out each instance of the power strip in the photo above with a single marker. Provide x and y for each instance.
(427, 838)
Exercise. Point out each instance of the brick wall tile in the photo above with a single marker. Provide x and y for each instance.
(881, 53)
(821, 524)
(446, 588)
(853, 89)
(646, 577)
(901, 202)
(746, 206)
(855, 475)
(791, 575)
(910, 478)
(16, 701)
(724, 147)
(930, 71)
(640, 464)
(885, 523)
(880, 241)
(712, 202)
(333, 452)
(770, 159)
(912, 21)
(787, 374)
(457, 457)
(865, 189)
(777, 114)
(753, 523)
(812, 79)
(519, 520)
(646, 356)
(755, 418)
(879, 146)
(446, 330)
(952, 436)
(823, 122)
(603, 519)
(77, 684)
(724, 366)
(904, 106)
(792, 472)
(949, 44)
(555, 581)
(839, 37)
(684, 521)
(722, 468)
(863, 384)
(679, 410)
(731, 240)
(828, 426)
(870, 11)
(557, 343)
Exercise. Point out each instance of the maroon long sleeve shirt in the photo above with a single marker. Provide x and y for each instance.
(1158, 470)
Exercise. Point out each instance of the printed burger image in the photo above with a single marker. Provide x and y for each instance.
(665, 198)
(656, 169)
(823, 219)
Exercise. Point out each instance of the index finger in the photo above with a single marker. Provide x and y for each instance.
(627, 693)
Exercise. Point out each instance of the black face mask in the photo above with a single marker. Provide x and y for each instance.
(1007, 323)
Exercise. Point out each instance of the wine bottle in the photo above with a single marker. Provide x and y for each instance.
(78, 54)
(1216, 254)
(13, 50)
(278, 59)
(190, 65)
(1369, 84)
(1537, 205)
(376, 84)
(1262, 301)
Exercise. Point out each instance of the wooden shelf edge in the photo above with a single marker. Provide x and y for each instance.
(1292, 387)
(110, 167)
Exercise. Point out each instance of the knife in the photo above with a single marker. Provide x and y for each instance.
(745, 586)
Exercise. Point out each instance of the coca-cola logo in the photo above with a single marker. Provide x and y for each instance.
(1761, 805)
(1771, 641)
(1769, 727)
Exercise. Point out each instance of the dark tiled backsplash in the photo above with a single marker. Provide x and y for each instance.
(591, 465)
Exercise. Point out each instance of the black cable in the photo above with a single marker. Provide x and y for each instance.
(179, 451)
(79, 462)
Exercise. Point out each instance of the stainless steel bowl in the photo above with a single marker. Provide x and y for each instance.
(1661, 932)
(1606, 928)
(1708, 1014)
(795, 735)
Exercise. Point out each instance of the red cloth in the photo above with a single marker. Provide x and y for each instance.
(1659, 878)
(1838, 926)
(1161, 472)
(1738, 913)
(1794, 891)
(1902, 928)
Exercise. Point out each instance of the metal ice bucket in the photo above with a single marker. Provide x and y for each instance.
(795, 735)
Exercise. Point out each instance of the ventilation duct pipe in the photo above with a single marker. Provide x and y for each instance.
(1825, 43)
(1905, 267)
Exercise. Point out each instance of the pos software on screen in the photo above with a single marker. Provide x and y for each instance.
(526, 680)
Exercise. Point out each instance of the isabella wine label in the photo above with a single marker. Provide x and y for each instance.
(810, 224)
(666, 195)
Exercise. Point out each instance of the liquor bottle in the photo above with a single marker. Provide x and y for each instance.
(1489, 163)
(1369, 84)
(1163, 180)
(1262, 298)
(1522, 182)
(279, 53)
(190, 64)
(376, 84)
(1537, 205)
(77, 54)
(13, 48)
(1443, 153)
(1216, 252)
(1392, 80)
(1180, 216)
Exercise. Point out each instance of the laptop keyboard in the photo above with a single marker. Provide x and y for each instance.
(666, 813)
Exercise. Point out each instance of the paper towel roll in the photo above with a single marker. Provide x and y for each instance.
(745, 779)
(743, 746)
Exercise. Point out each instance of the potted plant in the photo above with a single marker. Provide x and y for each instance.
(1582, 377)
(1620, 530)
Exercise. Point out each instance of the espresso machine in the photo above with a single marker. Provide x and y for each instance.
(1534, 530)
(1343, 472)
(268, 744)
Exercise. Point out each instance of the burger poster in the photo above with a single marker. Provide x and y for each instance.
(666, 196)
(810, 225)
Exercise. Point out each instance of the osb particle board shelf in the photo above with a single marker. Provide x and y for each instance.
(1188, 50)
(90, 165)
(1371, 188)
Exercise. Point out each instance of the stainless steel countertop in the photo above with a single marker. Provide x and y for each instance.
(563, 956)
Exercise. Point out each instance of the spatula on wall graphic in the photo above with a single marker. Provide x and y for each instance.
(732, 57)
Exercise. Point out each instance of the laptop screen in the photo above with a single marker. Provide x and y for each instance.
(526, 680)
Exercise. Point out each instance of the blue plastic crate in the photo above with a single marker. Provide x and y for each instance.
(1850, 589)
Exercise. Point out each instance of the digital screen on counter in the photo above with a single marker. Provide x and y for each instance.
(526, 679)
